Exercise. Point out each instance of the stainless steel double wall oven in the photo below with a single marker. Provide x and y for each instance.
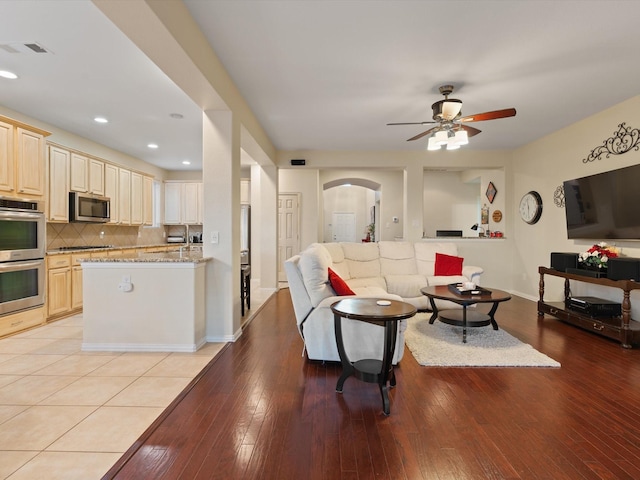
(22, 251)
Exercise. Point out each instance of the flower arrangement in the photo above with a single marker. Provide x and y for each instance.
(370, 230)
(598, 256)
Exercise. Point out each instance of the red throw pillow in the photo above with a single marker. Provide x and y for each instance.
(448, 265)
(339, 285)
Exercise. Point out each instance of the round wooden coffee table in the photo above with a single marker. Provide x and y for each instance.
(464, 318)
(369, 310)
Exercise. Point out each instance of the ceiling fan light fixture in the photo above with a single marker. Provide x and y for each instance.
(8, 74)
(450, 126)
(441, 138)
(432, 144)
(451, 109)
(461, 138)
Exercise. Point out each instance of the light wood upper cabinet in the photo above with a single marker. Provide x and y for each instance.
(79, 173)
(96, 176)
(124, 196)
(191, 205)
(136, 199)
(58, 184)
(111, 177)
(183, 203)
(30, 163)
(7, 176)
(172, 202)
(130, 193)
(87, 174)
(147, 200)
(22, 160)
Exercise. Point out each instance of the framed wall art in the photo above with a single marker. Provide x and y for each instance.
(491, 192)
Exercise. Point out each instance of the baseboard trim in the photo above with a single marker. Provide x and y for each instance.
(142, 347)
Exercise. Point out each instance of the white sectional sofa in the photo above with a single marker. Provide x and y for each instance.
(391, 270)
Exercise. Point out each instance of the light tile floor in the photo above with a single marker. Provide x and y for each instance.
(68, 414)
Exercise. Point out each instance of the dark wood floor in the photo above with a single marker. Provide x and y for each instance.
(261, 411)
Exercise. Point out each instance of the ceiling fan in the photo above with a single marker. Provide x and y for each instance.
(450, 128)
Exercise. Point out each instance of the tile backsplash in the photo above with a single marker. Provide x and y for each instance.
(80, 234)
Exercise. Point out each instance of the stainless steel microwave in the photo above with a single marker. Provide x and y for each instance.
(84, 207)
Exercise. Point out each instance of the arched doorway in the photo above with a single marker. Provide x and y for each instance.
(351, 209)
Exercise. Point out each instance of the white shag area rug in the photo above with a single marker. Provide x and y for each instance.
(440, 345)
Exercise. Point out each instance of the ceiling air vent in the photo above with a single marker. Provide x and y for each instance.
(35, 47)
(23, 47)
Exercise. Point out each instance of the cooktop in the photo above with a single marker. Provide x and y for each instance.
(85, 247)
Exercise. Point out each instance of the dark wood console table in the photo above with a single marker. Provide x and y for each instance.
(622, 329)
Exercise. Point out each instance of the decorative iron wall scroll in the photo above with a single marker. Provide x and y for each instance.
(558, 196)
(623, 140)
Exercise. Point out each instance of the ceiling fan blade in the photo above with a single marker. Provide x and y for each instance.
(471, 131)
(411, 123)
(420, 135)
(479, 117)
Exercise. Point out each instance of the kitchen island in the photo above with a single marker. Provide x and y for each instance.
(144, 302)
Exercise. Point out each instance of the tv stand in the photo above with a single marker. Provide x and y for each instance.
(623, 328)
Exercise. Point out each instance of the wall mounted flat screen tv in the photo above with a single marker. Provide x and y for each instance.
(605, 205)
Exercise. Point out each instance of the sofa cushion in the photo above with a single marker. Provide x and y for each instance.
(396, 250)
(301, 301)
(363, 259)
(407, 286)
(446, 280)
(337, 257)
(375, 292)
(426, 255)
(338, 284)
(448, 265)
(314, 265)
(375, 282)
(397, 258)
(336, 252)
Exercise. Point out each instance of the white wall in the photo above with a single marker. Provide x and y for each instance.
(543, 166)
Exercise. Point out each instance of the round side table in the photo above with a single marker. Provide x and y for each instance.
(370, 311)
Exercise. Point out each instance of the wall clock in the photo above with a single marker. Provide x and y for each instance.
(531, 207)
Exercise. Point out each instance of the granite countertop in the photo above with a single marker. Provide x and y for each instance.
(450, 239)
(146, 257)
(112, 247)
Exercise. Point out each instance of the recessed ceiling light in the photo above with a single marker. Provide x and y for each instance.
(7, 74)
(100, 120)
(152, 145)
(177, 116)
(186, 162)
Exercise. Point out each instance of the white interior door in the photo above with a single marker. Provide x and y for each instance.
(343, 227)
(288, 229)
